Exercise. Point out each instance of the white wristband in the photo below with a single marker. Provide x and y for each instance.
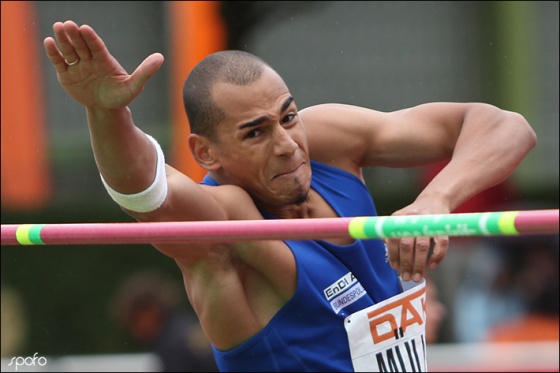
(150, 198)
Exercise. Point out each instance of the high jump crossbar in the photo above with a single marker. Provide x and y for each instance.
(362, 227)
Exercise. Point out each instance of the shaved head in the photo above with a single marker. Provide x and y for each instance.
(233, 67)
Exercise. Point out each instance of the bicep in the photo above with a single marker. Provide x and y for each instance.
(405, 138)
(414, 136)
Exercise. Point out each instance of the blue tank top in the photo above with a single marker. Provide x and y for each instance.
(307, 333)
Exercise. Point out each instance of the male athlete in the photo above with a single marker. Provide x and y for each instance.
(317, 305)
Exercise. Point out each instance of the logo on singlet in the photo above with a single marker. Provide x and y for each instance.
(343, 292)
(386, 253)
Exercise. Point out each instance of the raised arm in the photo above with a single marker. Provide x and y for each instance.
(125, 155)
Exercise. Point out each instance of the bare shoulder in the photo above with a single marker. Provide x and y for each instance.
(236, 202)
(340, 134)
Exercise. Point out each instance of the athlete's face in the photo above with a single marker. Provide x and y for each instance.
(261, 144)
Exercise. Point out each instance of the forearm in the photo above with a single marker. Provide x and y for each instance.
(124, 155)
(491, 145)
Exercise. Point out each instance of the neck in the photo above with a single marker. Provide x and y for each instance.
(299, 209)
(296, 210)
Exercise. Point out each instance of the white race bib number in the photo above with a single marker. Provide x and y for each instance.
(390, 336)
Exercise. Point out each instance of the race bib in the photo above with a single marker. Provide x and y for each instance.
(390, 336)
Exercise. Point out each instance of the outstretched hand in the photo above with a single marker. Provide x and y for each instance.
(89, 73)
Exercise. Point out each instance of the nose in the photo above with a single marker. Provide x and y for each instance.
(284, 144)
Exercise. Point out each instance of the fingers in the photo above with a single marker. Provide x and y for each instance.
(401, 255)
(410, 255)
(81, 49)
(65, 46)
(146, 70)
(420, 258)
(441, 245)
(68, 47)
(54, 55)
(394, 252)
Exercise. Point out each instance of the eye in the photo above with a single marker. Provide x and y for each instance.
(288, 118)
(253, 133)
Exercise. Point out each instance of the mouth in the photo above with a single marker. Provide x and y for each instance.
(289, 174)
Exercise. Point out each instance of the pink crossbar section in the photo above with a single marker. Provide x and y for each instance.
(537, 221)
(526, 222)
(216, 231)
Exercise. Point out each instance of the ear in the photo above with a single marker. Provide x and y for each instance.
(201, 150)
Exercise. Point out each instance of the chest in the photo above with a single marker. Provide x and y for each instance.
(320, 208)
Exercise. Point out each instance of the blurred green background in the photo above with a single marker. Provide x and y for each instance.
(384, 55)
